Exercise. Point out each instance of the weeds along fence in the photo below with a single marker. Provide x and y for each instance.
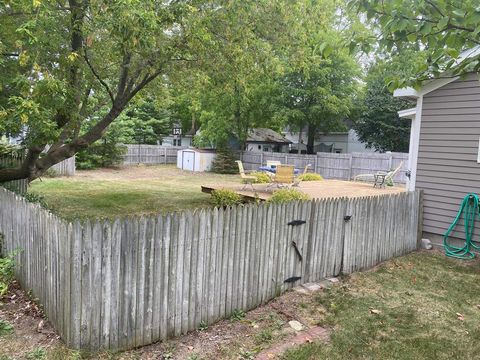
(334, 166)
(151, 154)
(130, 282)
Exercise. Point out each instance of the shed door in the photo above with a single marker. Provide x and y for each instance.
(188, 160)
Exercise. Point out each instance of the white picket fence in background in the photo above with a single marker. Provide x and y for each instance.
(130, 282)
(329, 165)
(333, 166)
(151, 154)
(65, 168)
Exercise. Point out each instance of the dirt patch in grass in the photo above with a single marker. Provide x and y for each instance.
(240, 337)
(29, 330)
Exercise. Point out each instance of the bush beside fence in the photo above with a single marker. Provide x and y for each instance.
(127, 283)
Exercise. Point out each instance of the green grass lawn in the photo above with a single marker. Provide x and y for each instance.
(126, 191)
(428, 308)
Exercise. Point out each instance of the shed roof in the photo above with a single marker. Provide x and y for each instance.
(263, 135)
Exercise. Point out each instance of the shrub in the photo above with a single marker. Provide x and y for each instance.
(286, 195)
(5, 328)
(36, 199)
(261, 177)
(225, 197)
(310, 177)
(224, 162)
(102, 153)
(7, 266)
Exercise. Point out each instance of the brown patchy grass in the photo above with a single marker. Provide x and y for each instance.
(127, 191)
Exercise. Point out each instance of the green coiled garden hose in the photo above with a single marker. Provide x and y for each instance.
(470, 210)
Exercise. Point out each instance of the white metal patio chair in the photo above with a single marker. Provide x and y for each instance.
(380, 178)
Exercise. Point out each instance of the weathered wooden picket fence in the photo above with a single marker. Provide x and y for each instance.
(65, 168)
(151, 154)
(333, 166)
(19, 186)
(130, 282)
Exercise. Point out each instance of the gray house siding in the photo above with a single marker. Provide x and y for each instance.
(447, 166)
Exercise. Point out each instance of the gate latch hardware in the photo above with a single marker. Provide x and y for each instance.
(294, 244)
(347, 218)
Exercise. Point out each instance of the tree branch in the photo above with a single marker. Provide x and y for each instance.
(95, 74)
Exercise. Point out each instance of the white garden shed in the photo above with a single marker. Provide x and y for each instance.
(195, 159)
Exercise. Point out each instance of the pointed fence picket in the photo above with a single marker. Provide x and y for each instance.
(130, 282)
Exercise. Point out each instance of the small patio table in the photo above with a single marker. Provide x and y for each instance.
(273, 170)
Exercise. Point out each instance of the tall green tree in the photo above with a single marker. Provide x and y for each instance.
(441, 29)
(62, 63)
(320, 98)
(377, 122)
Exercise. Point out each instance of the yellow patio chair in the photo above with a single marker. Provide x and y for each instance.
(284, 176)
(247, 179)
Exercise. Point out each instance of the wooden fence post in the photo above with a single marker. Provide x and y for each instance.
(350, 166)
(420, 219)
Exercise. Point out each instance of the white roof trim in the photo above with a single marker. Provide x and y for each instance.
(407, 92)
(408, 113)
(430, 86)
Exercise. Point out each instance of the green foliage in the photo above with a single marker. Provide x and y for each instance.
(38, 353)
(286, 195)
(7, 267)
(106, 152)
(5, 328)
(203, 326)
(441, 30)
(320, 96)
(264, 336)
(144, 122)
(237, 315)
(35, 198)
(224, 162)
(246, 355)
(225, 197)
(310, 177)
(261, 177)
(378, 124)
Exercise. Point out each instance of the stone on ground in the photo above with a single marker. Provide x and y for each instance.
(295, 325)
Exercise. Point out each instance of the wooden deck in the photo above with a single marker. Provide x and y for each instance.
(315, 189)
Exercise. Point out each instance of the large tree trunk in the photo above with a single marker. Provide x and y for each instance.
(299, 151)
(312, 131)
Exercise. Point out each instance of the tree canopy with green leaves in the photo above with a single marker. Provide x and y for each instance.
(64, 64)
(377, 122)
(440, 29)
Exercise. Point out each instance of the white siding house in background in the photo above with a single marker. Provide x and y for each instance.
(335, 142)
(195, 159)
(444, 148)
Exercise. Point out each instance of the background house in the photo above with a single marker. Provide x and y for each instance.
(334, 142)
(262, 139)
(444, 148)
